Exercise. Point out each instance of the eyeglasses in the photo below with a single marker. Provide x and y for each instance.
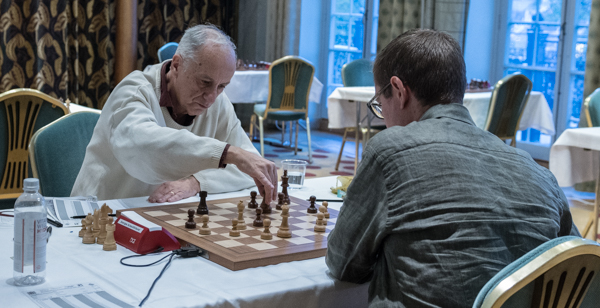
(374, 105)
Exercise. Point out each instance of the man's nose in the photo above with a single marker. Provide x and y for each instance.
(211, 94)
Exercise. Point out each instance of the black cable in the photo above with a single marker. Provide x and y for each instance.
(157, 278)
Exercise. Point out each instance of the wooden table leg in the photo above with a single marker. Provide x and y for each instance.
(596, 206)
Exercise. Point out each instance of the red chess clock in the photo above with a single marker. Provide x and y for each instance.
(142, 236)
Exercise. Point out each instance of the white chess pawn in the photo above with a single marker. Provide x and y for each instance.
(320, 227)
(266, 235)
(241, 223)
(234, 231)
(204, 230)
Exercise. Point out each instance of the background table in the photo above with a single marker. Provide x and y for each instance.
(253, 86)
(187, 282)
(342, 109)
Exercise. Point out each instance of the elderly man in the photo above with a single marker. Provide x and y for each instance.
(170, 132)
(438, 206)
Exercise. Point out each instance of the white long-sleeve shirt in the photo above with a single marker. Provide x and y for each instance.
(137, 146)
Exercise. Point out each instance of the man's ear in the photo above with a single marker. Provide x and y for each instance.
(400, 91)
(176, 64)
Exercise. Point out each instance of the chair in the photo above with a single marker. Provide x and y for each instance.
(290, 79)
(562, 272)
(22, 113)
(506, 106)
(167, 51)
(56, 152)
(591, 109)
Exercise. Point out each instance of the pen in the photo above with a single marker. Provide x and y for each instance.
(328, 200)
(54, 223)
(84, 216)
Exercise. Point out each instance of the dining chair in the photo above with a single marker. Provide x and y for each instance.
(591, 110)
(167, 51)
(56, 152)
(508, 100)
(290, 79)
(562, 272)
(22, 113)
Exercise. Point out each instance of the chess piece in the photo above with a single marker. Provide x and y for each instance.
(88, 236)
(109, 242)
(204, 230)
(103, 221)
(280, 197)
(285, 185)
(320, 227)
(258, 222)
(83, 224)
(284, 229)
(202, 207)
(241, 223)
(252, 204)
(266, 235)
(325, 212)
(266, 208)
(190, 224)
(96, 223)
(234, 231)
(312, 209)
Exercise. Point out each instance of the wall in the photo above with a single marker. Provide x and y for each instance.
(479, 43)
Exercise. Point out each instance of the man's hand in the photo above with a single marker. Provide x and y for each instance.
(175, 191)
(264, 172)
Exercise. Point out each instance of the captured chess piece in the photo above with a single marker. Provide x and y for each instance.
(202, 207)
(234, 231)
(320, 226)
(252, 204)
(266, 208)
(241, 223)
(280, 197)
(312, 209)
(96, 223)
(204, 230)
(266, 235)
(284, 229)
(88, 236)
(326, 213)
(190, 224)
(83, 224)
(285, 185)
(109, 242)
(258, 222)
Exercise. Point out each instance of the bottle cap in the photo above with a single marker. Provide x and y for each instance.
(31, 184)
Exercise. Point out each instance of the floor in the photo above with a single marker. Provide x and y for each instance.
(325, 149)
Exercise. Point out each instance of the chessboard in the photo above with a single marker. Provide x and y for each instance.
(248, 250)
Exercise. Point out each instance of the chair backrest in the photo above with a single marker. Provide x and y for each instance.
(591, 107)
(358, 73)
(167, 51)
(562, 272)
(506, 105)
(57, 150)
(22, 113)
(290, 79)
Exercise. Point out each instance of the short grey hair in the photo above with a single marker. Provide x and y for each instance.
(198, 36)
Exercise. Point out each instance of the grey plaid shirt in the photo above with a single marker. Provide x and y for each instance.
(437, 208)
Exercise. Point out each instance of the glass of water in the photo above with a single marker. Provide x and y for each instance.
(295, 171)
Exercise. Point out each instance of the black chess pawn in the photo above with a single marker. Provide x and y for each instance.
(279, 201)
(266, 208)
(258, 222)
(312, 209)
(202, 207)
(252, 204)
(190, 224)
(285, 185)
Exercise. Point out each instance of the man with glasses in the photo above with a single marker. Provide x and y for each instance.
(437, 206)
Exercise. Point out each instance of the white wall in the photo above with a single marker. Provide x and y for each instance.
(479, 42)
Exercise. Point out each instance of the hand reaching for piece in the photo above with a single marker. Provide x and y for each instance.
(264, 172)
(175, 191)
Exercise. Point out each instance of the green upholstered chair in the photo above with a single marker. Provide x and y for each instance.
(167, 51)
(508, 101)
(591, 107)
(57, 150)
(22, 113)
(562, 272)
(290, 79)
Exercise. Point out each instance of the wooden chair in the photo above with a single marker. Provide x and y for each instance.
(22, 113)
(506, 106)
(167, 51)
(57, 150)
(562, 272)
(290, 79)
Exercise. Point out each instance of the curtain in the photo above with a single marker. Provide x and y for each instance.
(283, 29)
(399, 16)
(62, 48)
(592, 60)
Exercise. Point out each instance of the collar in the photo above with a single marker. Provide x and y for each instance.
(455, 111)
(166, 99)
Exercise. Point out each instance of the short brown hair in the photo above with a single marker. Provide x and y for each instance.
(429, 62)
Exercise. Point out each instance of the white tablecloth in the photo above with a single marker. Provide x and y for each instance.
(193, 282)
(253, 86)
(575, 156)
(342, 111)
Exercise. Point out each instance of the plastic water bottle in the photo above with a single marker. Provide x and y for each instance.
(30, 236)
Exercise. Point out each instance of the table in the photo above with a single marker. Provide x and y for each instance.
(575, 158)
(253, 86)
(187, 282)
(343, 112)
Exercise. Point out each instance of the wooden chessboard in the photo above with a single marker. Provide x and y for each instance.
(248, 250)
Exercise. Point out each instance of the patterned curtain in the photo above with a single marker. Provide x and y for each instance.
(592, 59)
(283, 29)
(399, 16)
(62, 48)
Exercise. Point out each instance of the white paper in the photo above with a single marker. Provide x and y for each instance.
(77, 295)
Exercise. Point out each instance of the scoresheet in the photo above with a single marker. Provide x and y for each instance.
(62, 209)
(77, 295)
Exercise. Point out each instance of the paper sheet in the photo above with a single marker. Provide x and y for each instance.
(62, 209)
(77, 295)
